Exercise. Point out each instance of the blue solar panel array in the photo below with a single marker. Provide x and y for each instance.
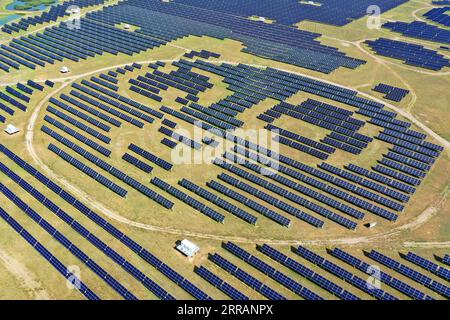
(83, 115)
(102, 223)
(94, 145)
(220, 284)
(151, 157)
(245, 277)
(288, 195)
(47, 255)
(58, 236)
(411, 54)
(267, 197)
(220, 202)
(428, 265)
(169, 143)
(391, 92)
(410, 273)
(79, 125)
(89, 171)
(307, 273)
(81, 230)
(110, 169)
(272, 272)
(137, 163)
(420, 30)
(290, 12)
(169, 21)
(197, 205)
(343, 274)
(439, 15)
(190, 143)
(205, 54)
(249, 203)
(446, 259)
(383, 277)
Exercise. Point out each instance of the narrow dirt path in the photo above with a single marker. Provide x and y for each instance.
(99, 207)
(25, 277)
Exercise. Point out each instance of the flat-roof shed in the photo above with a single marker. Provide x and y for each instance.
(10, 129)
(188, 248)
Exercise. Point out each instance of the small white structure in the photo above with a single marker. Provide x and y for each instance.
(371, 225)
(64, 69)
(126, 26)
(262, 19)
(188, 248)
(72, 10)
(10, 129)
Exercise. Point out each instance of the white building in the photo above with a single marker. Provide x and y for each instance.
(188, 248)
(10, 129)
(64, 69)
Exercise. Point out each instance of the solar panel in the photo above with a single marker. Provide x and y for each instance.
(246, 278)
(220, 284)
(343, 274)
(428, 265)
(218, 201)
(307, 273)
(271, 272)
(410, 273)
(188, 200)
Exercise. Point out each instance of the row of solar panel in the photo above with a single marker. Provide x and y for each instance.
(245, 277)
(197, 205)
(171, 83)
(58, 236)
(176, 79)
(428, 265)
(217, 114)
(79, 125)
(78, 136)
(82, 115)
(365, 182)
(307, 273)
(112, 170)
(318, 184)
(249, 203)
(381, 178)
(123, 99)
(272, 272)
(289, 195)
(169, 143)
(202, 116)
(343, 274)
(220, 202)
(191, 143)
(89, 171)
(111, 110)
(146, 93)
(300, 138)
(151, 157)
(85, 107)
(12, 101)
(301, 147)
(220, 284)
(113, 231)
(104, 83)
(88, 293)
(137, 163)
(383, 277)
(410, 273)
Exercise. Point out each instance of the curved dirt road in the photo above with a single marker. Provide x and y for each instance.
(99, 207)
